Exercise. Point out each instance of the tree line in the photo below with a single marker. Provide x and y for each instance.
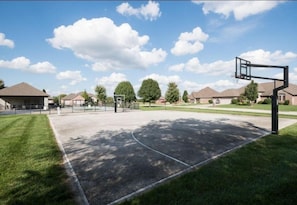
(149, 91)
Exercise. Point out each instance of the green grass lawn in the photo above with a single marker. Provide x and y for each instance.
(287, 108)
(31, 170)
(216, 111)
(263, 172)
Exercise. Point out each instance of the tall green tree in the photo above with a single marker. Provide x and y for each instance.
(251, 91)
(100, 93)
(126, 88)
(149, 90)
(172, 93)
(85, 95)
(185, 96)
(2, 84)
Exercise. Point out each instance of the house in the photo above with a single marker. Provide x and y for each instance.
(265, 90)
(289, 93)
(76, 99)
(226, 96)
(23, 96)
(203, 96)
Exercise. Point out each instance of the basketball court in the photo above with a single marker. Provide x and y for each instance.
(114, 156)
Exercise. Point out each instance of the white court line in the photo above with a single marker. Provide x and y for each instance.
(150, 186)
(161, 153)
(69, 167)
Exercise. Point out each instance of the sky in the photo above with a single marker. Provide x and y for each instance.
(70, 46)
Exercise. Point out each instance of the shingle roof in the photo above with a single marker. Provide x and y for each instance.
(231, 92)
(292, 89)
(22, 89)
(205, 93)
(69, 97)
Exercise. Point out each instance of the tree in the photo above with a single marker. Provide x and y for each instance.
(251, 91)
(100, 93)
(126, 88)
(172, 93)
(85, 95)
(185, 96)
(57, 99)
(149, 90)
(2, 84)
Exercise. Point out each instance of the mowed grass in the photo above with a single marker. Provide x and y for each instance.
(263, 172)
(286, 108)
(216, 111)
(31, 170)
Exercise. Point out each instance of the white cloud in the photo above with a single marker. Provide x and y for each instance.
(215, 68)
(150, 11)
(177, 68)
(106, 45)
(220, 67)
(6, 42)
(189, 42)
(110, 82)
(261, 56)
(24, 64)
(240, 9)
(74, 76)
(43, 67)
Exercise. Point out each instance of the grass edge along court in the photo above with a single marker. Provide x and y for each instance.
(31, 166)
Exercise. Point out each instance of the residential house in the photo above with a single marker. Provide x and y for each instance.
(203, 96)
(265, 90)
(76, 99)
(23, 96)
(226, 96)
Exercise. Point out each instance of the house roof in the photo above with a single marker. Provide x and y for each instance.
(205, 93)
(72, 96)
(231, 92)
(69, 97)
(292, 89)
(22, 90)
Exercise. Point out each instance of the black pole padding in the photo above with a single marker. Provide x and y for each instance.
(274, 111)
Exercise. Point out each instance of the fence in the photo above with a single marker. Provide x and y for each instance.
(71, 109)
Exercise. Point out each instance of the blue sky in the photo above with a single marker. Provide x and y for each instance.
(71, 46)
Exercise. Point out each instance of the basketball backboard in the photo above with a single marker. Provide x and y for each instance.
(242, 69)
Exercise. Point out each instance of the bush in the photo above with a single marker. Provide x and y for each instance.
(210, 101)
(234, 101)
(267, 101)
(287, 102)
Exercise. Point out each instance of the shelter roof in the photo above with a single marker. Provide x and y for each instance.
(22, 90)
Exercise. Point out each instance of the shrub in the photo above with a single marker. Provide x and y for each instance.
(267, 101)
(287, 102)
(234, 101)
(210, 101)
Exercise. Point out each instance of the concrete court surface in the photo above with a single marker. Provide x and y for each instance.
(113, 156)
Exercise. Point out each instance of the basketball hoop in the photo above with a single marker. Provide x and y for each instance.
(243, 71)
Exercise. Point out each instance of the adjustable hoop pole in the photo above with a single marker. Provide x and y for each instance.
(242, 64)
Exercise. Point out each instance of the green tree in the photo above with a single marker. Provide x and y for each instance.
(185, 96)
(87, 98)
(85, 95)
(2, 84)
(172, 93)
(100, 93)
(149, 90)
(126, 88)
(57, 99)
(251, 91)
